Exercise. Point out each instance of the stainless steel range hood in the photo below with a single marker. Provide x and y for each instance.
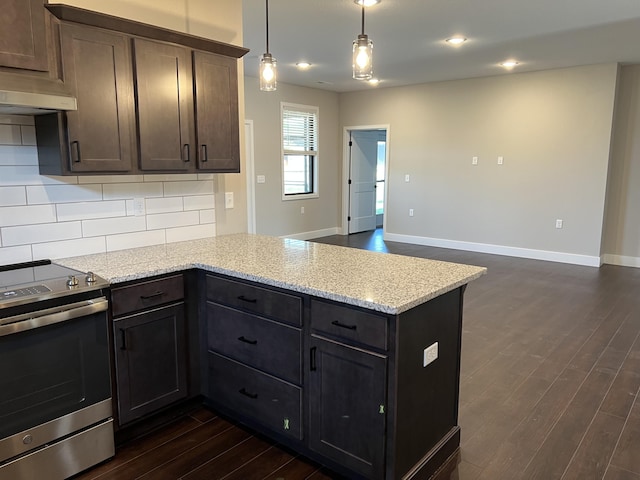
(29, 103)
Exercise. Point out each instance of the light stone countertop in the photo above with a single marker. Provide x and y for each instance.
(378, 281)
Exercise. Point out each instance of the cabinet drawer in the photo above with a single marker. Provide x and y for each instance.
(144, 295)
(355, 325)
(261, 343)
(270, 303)
(271, 402)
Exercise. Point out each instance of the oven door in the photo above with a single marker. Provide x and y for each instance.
(54, 366)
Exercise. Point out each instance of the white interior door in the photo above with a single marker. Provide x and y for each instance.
(362, 189)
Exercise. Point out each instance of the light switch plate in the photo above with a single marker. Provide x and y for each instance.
(228, 200)
(261, 179)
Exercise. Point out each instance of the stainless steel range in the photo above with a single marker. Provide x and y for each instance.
(55, 388)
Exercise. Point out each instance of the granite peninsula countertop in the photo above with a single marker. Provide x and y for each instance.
(383, 282)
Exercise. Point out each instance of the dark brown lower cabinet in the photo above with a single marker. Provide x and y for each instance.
(346, 386)
(151, 360)
(347, 405)
(274, 403)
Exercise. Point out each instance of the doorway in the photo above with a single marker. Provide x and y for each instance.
(365, 170)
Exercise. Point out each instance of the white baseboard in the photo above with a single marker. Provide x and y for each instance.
(314, 234)
(561, 257)
(621, 260)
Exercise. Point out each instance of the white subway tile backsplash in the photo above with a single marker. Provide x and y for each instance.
(63, 193)
(69, 248)
(54, 216)
(30, 175)
(111, 179)
(117, 191)
(87, 210)
(44, 232)
(15, 254)
(10, 135)
(199, 202)
(112, 226)
(183, 189)
(18, 155)
(208, 216)
(191, 233)
(27, 215)
(133, 240)
(170, 177)
(28, 134)
(164, 205)
(10, 196)
(169, 220)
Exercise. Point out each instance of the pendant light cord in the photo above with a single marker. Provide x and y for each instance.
(267, 21)
(362, 17)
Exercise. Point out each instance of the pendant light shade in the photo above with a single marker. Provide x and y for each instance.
(362, 55)
(268, 64)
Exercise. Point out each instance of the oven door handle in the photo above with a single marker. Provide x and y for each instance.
(42, 318)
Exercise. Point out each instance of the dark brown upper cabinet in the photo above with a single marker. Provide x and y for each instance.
(100, 135)
(216, 108)
(149, 100)
(23, 43)
(164, 93)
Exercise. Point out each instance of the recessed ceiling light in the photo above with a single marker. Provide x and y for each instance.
(455, 41)
(509, 64)
(373, 81)
(303, 65)
(366, 3)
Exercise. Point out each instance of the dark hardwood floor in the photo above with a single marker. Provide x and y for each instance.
(549, 384)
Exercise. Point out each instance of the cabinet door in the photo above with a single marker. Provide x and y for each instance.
(97, 68)
(216, 104)
(347, 405)
(23, 41)
(151, 361)
(164, 93)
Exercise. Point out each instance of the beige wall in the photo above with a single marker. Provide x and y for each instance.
(275, 216)
(622, 232)
(553, 129)
(216, 19)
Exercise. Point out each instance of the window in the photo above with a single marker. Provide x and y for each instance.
(299, 150)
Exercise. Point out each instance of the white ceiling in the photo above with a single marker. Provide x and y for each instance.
(408, 37)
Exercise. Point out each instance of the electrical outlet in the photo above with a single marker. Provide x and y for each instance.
(261, 179)
(302, 210)
(228, 200)
(430, 354)
(474, 161)
(138, 207)
(558, 223)
(411, 212)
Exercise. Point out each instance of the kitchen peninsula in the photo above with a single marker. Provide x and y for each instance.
(348, 356)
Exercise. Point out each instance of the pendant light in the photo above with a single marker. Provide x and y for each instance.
(268, 72)
(362, 54)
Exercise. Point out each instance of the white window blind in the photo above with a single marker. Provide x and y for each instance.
(300, 149)
(299, 131)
